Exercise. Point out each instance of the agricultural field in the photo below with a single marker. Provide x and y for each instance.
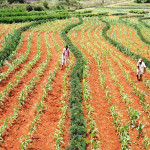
(96, 102)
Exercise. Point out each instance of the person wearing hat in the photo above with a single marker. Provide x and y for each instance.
(65, 56)
(141, 69)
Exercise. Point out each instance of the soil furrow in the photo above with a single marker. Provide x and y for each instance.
(21, 126)
(12, 98)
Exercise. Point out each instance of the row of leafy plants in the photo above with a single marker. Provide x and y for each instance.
(92, 130)
(139, 11)
(78, 126)
(123, 49)
(137, 28)
(25, 13)
(32, 18)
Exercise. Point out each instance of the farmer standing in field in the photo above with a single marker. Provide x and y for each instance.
(141, 69)
(65, 56)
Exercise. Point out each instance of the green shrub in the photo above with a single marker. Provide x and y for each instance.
(139, 11)
(45, 4)
(38, 8)
(29, 7)
(138, 1)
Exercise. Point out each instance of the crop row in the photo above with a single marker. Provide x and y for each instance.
(32, 18)
(78, 127)
(145, 18)
(26, 13)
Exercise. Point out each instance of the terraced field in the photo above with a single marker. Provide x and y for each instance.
(95, 103)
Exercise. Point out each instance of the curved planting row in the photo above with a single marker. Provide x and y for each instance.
(112, 69)
(77, 129)
(123, 49)
(126, 35)
(30, 85)
(145, 21)
(142, 26)
(6, 31)
(139, 32)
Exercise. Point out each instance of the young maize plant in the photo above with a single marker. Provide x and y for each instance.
(134, 115)
(22, 98)
(93, 131)
(146, 142)
(3, 31)
(122, 130)
(20, 75)
(59, 132)
(140, 128)
(15, 64)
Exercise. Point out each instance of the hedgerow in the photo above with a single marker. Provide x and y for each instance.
(25, 13)
(32, 18)
(132, 16)
(78, 127)
(91, 15)
(139, 11)
(123, 49)
(117, 14)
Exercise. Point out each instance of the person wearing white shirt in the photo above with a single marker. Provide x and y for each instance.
(141, 69)
(65, 56)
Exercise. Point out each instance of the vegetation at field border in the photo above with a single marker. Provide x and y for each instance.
(78, 127)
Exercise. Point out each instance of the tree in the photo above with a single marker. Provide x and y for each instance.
(12, 1)
(148, 1)
(138, 1)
